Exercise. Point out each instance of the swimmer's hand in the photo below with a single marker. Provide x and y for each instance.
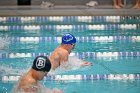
(56, 90)
(86, 64)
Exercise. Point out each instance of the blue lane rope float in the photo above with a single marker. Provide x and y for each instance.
(84, 27)
(79, 39)
(40, 19)
(78, 54)
(81, 77)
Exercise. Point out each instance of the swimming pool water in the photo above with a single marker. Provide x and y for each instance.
(97, 36)
(104, 86)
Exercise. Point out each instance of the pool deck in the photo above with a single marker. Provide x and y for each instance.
(65, 11)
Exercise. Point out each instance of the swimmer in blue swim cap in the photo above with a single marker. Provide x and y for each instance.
(29, 82)
(68, 39)
(61, 54)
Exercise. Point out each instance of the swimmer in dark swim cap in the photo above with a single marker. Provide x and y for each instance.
(29, 82)
(41, 63)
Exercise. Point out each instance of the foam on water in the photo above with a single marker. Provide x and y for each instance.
(73, 63)
(8, 70)
(4, 42)
(41, 89)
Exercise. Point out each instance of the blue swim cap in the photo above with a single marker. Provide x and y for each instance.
(68, 39)
(41, 63)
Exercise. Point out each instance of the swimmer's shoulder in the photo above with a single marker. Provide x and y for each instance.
(60, 51)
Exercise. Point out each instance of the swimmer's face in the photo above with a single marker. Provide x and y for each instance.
(42, 74)
(45, 73)
(73, 46)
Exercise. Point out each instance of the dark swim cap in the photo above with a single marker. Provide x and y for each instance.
(41, 63)
(68, 39)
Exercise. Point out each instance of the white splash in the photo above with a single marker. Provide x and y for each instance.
(4, 42)
(73, 63)
(41, 89)
(8, 70)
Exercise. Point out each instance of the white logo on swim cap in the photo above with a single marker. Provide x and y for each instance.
(40, 63)
(68, 38)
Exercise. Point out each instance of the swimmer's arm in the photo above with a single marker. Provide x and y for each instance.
(57, 91)
(27, 87)
(55, 59)
(64, 61)
(64, 57)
